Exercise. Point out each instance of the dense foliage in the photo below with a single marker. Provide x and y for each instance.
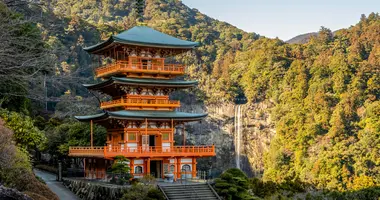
(233, 184)
(327, 108)
(61, 135)
(326, 104)
(16, 170)
(142, 192)
(24, 60)
(26, 134)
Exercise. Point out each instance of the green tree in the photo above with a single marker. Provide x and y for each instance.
(60, 136)
(26, 134)
(233, 184)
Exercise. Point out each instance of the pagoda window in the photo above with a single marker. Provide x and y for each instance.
(109, 137)
(158, 62)
(149, 64)
(134, 62)
(165, 136)
(144, 64)
(122, 136)
(138, 170)
(171, 168)
(186, 168)
(131, 136)
(120, 55)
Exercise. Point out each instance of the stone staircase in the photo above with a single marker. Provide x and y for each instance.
(189, 191)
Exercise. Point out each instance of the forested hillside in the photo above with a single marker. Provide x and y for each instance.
(78, 24)
(322, 96)
(326, 105)
(301, 39)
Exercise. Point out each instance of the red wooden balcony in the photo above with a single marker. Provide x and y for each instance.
(151, 102)
(125, 67)
(150, 151)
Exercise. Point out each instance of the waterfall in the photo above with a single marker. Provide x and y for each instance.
(237, 124)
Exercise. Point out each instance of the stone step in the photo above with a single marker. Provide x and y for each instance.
(194, 197)
(191, 191)
(191, 194)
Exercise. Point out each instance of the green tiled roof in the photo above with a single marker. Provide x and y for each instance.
(144, 36)
(141, 115)
(143, 82)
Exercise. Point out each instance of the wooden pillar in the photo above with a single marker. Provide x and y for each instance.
(84, 166)
(125, 138)
(132, 166)
(171, 137)
(178, 167)
(148, 166)
(92, 139)
(162, 168)
(175, 169)
(96, 168)
(184, 134)
(146, 126)
(194, 167)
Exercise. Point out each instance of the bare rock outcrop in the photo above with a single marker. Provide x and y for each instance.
(12, 194)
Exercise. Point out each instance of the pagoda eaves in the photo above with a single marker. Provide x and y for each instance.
(142, 36)
(142, 115)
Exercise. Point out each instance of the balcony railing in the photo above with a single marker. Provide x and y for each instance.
(139, 67)
(149, 151)
(87, 151)
(151, 103)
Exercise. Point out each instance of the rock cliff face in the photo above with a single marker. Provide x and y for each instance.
(219, 128)
(12, 194)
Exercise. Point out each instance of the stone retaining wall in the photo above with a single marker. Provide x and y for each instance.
(88, 190)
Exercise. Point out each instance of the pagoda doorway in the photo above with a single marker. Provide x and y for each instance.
(156, 168)
(152, 140)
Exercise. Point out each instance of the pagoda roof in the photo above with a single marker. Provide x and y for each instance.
(170, 83)
(142, 115)
(143, 36)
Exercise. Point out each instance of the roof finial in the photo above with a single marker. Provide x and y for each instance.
(140, 5)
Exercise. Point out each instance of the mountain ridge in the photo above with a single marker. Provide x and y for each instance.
(302, 38)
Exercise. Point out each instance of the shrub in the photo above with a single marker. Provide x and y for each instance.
(233, 184)
(120, 170)
(261, 188)
(142, 192)
(148, 179)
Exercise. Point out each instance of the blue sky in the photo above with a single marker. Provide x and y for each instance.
(286, 18)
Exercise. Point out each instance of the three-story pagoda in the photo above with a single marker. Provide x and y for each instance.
(141, 119)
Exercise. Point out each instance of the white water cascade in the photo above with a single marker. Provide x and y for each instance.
(237, 123)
